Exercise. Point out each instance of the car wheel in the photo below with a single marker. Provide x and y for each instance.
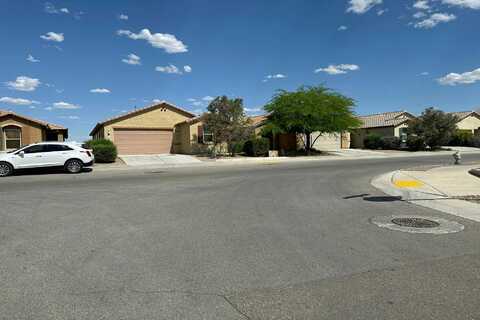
(6, 169)
(73, 166)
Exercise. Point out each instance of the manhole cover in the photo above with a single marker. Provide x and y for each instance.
(415, 222)
(418, 224)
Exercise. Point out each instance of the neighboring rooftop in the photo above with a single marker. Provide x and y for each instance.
(51, 126)
(386, 119)
(463, 114)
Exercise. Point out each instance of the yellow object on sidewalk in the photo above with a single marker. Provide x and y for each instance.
(408, 183)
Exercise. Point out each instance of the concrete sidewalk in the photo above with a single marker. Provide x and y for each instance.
(440, 188)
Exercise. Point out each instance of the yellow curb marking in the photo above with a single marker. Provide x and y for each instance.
(408, 183)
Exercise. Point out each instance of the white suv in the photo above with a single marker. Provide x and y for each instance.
(47, 154)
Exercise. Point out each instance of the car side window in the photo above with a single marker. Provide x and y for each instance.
(34, 149)
(57, 147)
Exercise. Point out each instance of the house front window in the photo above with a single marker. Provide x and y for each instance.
(403, 135)
(13, 137)
(207, 135)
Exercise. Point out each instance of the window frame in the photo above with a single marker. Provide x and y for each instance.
(6, 139)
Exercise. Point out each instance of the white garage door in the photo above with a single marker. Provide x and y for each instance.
(136, 141)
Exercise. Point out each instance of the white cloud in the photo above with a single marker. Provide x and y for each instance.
(338, 69)
(50, 8)
(434, 20)
(49, 108)
(18, 101)
(425, 73)
(123, 17)
(452, 79)
(362, 6)
(23, 83)
(52, 36)
(165, 41)
(421, 5)
(100, 90)
(70, 117)
(191, 99)
(197, 103)
(252, 110)
(132, 59)
(470, 4)
(274, 76)
(171, 69)
(381, 12)
(30, 58)
(342, 28)
(187, 69)
(208, 98)
(65, 105)
(419, 15)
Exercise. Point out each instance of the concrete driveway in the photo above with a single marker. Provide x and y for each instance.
(160, 160)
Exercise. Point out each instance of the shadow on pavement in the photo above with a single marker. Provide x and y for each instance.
(46, 171)
(382, 199)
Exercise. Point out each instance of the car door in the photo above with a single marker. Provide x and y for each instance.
(56, 154)
(30, 157)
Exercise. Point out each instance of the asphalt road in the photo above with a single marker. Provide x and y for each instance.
(283, 241)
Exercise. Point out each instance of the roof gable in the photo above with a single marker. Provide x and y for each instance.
(136, 112)
(4, 113)
(386, 119)
(461, 115)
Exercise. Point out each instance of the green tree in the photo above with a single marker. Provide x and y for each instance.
(435, 127)
(309, 110)
(227, 122)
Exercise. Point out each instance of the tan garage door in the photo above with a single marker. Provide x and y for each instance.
(136, 141)
(328, 141)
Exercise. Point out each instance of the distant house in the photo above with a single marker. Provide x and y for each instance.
(18, 130)
(388, 124)
(291, 142)
(149, 130)
(468, 121)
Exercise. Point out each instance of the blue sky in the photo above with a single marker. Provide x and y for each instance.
(386, 54)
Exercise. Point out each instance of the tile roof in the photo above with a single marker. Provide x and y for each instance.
(387, 119)
(140, 110)
(40, 122)
(257, 121)
(464, 114)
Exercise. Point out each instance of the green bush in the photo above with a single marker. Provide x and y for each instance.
(415, 143)
(257, 147)
(236, 147)
(373, 141)
(390, 143)
(462, 138)
(104, 150)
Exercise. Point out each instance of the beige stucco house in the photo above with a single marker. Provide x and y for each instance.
(17, 130)
(149, 130)
(291, 142)
(388, 124)
(468, 121)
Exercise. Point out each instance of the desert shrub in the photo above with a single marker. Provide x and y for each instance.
(415, 143)
(372, 141)
(390, 143)
(462, 138)
(256, 147)
(104, 150)
(237, 147)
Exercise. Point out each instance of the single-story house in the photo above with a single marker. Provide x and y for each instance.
(148, 130)
(18, 130)
(290, 142)
(468, 121)
(386, 124)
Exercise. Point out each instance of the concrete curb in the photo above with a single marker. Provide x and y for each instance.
(431, 199)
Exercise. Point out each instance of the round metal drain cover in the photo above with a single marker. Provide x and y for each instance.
(418, 224)
(415, 222)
